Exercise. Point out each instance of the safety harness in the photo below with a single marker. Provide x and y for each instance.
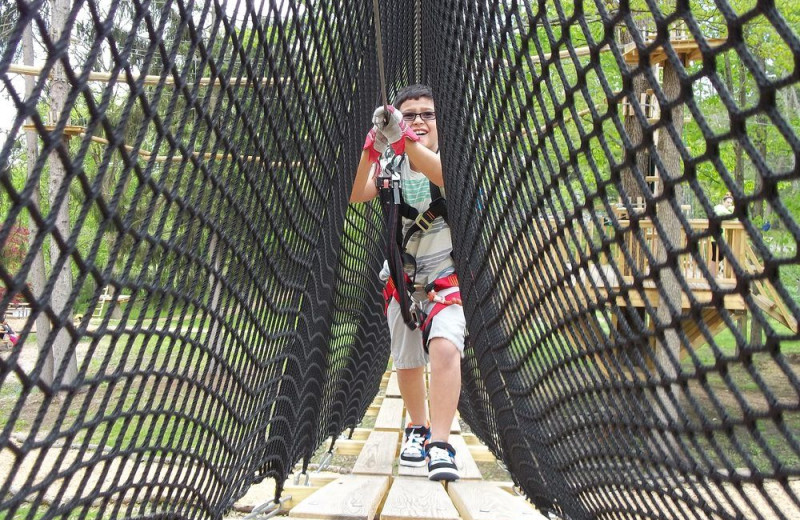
(403, 266)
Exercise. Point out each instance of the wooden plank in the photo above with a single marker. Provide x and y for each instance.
(410, 471)
(481, 453)
(415, 499)
(392, 387)
(471, 438)
(359, 434)
(455, 426)
(466, 464)
(390, 416)
(484, 501)
(378, 454)
(300, 491)
(352, 497)
(350, 447)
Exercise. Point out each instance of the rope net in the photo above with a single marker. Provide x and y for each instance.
(198, 307)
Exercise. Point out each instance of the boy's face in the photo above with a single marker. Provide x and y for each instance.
(426, 130)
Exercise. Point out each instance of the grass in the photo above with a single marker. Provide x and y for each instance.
(120, 380)
(726, 343)
(747, 441)
(141, 391)
(741, 411)
(26, 512)
(759, 444)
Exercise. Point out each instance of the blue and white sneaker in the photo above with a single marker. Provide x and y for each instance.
(442, 462)
(413, 451)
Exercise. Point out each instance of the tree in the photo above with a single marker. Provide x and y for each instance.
(669, 304)
(60, 353)
(38, 274)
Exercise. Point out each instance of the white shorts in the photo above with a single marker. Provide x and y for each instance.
(407, 350)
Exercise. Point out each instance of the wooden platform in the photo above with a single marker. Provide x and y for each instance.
(379, 489)
(687, 49)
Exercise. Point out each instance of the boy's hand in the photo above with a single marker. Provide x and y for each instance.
(389, 122)
(375, 144)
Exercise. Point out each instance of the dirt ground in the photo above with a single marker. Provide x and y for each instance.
(771, 376)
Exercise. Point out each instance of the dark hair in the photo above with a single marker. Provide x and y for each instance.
(412, 92)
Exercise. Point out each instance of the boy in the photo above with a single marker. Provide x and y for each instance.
(410, 127)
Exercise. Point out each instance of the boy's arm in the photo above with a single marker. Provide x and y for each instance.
(389, 121)
(364, 188)
(425, 161)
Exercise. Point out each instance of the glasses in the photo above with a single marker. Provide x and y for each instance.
(409, 117)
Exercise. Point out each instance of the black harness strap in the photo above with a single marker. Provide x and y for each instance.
(396, 271)
(390, 190)
(424, 221)
(391, 194)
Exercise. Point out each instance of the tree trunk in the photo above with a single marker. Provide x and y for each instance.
(216, 251)
(62, 288)
(741, 94)
(214, 337)
(669, 304)
(634, 318)
(738, 171)
(633, 129)
(38, 273)
(759, 208)
(757, 212)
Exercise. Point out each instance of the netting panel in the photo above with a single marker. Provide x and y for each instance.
(633, 348)
(606, 297)
(189, 190)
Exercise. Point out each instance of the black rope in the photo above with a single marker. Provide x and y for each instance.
(198, 307)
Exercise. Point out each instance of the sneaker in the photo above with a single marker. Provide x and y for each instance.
(413, 451)
(442, 462)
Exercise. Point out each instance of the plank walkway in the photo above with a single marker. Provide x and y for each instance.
(379, 489)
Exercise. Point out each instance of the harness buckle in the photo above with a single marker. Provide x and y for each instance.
(425, 220)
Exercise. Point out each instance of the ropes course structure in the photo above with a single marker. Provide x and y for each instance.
(199, 309)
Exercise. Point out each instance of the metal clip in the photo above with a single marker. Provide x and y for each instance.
(297, 479)
(325, 462)
(388, 179)
(417, 314)
(268, 509)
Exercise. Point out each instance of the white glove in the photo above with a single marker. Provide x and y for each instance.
(389, 122)
(375, 144)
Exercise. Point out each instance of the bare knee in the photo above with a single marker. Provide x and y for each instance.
(443, 349)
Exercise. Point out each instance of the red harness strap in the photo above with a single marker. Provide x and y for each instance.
(445, 282)
(440, 284)
(390, 291)
(440, 302)
(454, 298)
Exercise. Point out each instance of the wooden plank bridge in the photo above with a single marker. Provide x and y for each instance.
(378, 488)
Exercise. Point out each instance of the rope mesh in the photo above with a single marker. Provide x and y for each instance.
(198, 307)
